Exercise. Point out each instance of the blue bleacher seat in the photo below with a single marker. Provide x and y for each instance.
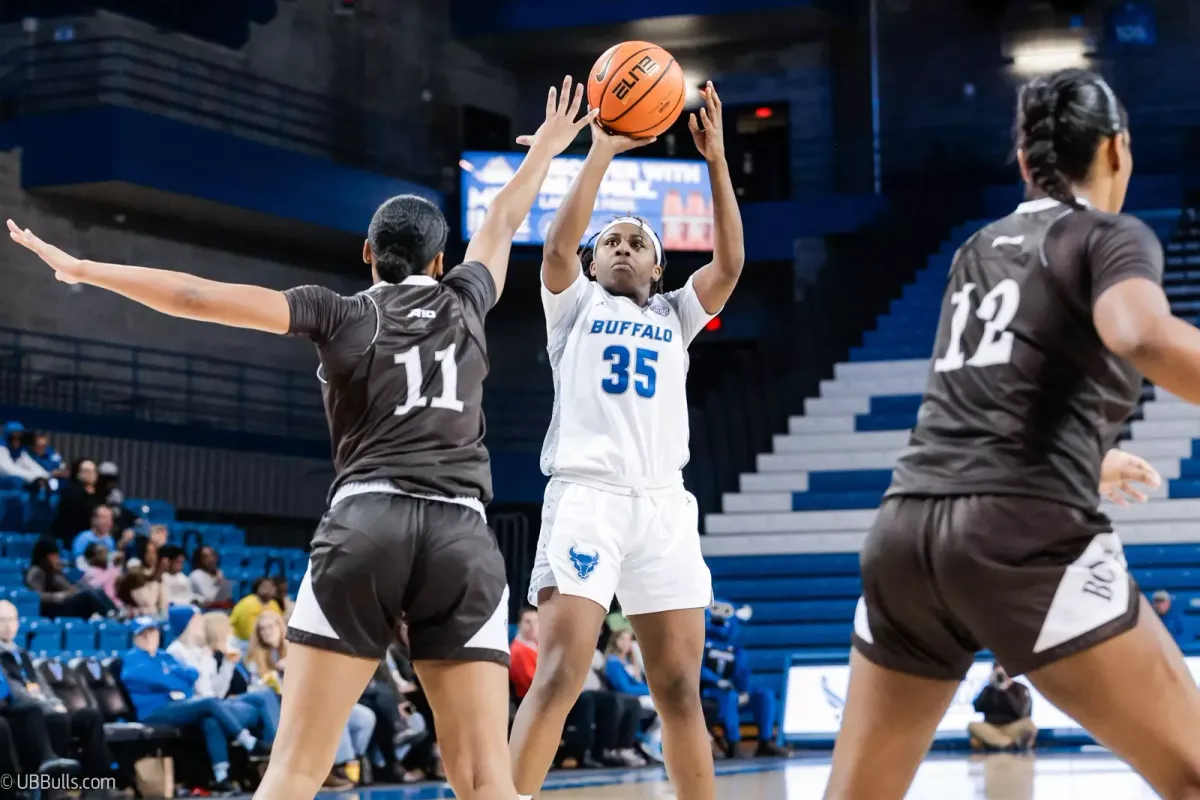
(12, 572)
(113, 636)
(14, 510)
(26, 601)
(45, 635)
(18, 545)
(80, 634)
(232, 558)
(154, 511)
(256, 559)
(297, 564)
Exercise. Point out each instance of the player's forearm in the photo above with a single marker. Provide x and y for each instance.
(174, 293)
(190, 297)
(513, 202)
(575, 214)
(729, 243)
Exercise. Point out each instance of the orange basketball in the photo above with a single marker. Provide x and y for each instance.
(638, 88)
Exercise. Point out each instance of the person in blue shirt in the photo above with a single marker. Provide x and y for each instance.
(47, 457)
(621, 668)
(163, 691)
(1170, 615)
(101, 531)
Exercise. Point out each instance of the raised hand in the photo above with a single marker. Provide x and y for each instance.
(707, 132)
(1120, 470)
(67, 268)
(615, 143)
(561, 126)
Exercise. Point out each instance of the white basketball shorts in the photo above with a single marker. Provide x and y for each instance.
(644, 547)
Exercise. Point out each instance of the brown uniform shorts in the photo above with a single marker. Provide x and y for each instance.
(1031, 580)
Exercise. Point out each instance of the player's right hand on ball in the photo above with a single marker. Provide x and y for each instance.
(561, 126)
(615, 143)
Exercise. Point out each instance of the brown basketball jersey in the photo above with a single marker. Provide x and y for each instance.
(402, 369)
(1023, 397)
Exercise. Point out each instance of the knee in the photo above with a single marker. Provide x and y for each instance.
(558, 680)
(479, 780)
(677, 694)
(207, 705)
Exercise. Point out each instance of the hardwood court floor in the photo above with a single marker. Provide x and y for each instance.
(1092, 775)
(1047, 777)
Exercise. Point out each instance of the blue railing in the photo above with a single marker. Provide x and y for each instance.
(80, 376)
(49, 77)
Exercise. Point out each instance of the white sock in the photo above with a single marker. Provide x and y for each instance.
(246, 740)
(221, 771)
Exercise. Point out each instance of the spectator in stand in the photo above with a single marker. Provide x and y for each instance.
(601, 726)
(209, 584)
(10, 764)
(256, 710)
(144, 556)
(245, 613)
(283, 596)
(621, 667)
(76, 502)
(624, 673)
(267, 651)
(398, 726)
(163, 691)
(108, 487)
(47, 457)
(1172, 619)
(423, 760)
(35, 753)
(1006, 707)
(102, 571)
(225, 647)
(176, 586)
(60, 598)
(350, 765)
(79, 734)
(141, 595)
(100, 531)
(17, 465)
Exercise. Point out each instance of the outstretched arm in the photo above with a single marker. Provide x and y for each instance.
(560, 256)
(714, 282)
(492, 243)
(174, 293)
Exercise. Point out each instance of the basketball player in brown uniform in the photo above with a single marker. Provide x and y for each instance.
(989, 536)
(405, 539)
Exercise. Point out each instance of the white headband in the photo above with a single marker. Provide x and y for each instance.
(646, 229)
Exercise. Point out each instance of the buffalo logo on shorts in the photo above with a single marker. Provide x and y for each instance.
(584, 563)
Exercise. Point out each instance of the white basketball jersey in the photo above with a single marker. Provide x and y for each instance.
(620, 403)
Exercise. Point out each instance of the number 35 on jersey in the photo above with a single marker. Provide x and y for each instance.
(996, 310)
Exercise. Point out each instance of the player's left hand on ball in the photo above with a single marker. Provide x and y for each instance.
(707, 132)
(1120, 470)
(67, 268)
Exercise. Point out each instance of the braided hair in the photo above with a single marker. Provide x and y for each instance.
(406, 233)
(587, 254)
(1061, 120)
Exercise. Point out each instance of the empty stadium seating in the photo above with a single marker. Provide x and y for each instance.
(787, 542)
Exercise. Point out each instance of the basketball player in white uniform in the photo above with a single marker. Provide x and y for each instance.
(617, 519)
